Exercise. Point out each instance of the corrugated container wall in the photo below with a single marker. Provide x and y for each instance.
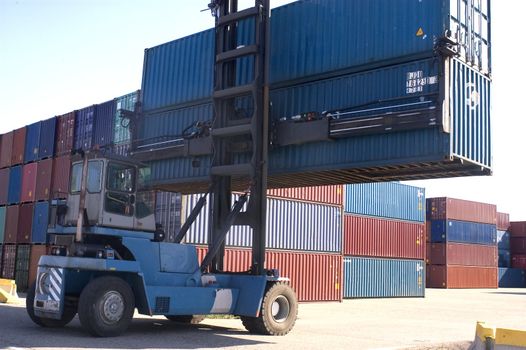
(44, 177)
(2, 224)
(40, 222)
(512, 278)
(121, 127)
(25, 223)
(11, 224)
(6, 150)
(462, 254)
(368, 236)
(4, 185)
(518, 261)
(518, 245)
(168, 207)
(65, 134)
(388, 200)
(9, 261)
(317, 194)
(503, 239)
(382, 278)
(291, 225)
(84, 125)
(443, 276)
(60, 183)
(104, 122)
(32, 142)
(503, 221)
(444, 208)
(518, 228)
(19, 143)
(15, 184)
(29, 182)
(504, 258)
(313, 276)
(463, 232)
(46, 147)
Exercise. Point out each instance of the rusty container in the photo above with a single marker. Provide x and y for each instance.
(445, 208)
(65, 133)
(461, 277)
(19, 146)
(332, 194)
(462, 254)
(44, 177)
(4, 185)
(518, 229)
(60, 182)
(36, 252)
(29, 182)
(518, 261)
(11, 224)
(6, 149)
(503, 221)
(25, 223)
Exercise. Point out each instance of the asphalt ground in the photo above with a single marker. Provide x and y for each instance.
(444, 319)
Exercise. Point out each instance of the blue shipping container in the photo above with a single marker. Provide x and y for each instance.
(383, 278)
(443, 231)
(104, 121)
(313, 39)
(512, 278)
(121, 128)
(387, 200)
(406, 155)
(32, 142)
(84, 122)
(504, 258)
(503, 240)
(15, 185)
(40, 223)
(46, 147)
(291, 225)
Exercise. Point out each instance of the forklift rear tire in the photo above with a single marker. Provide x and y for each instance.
(106, 306)
(188, 319)
(67, 316)
(278, 313)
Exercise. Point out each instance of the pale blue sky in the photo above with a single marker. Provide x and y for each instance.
(61, 55)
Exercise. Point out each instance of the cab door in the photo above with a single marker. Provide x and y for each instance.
(119, 197)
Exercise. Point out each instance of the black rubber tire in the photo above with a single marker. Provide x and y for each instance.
(106, 292)
(188, 319)
(282, 296)
(67, 316)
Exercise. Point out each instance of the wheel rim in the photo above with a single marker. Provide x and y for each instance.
(280, 309)
(112, 307)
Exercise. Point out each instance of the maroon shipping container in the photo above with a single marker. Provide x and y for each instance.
(11, 224)
(44, 177)
(518, 245)
(447, 276)
(318, 194)
(65, 133)
(518, 229)
(457, 209)
(428, 231)
(518, 261)
(367, 236)
(25, 223)
(60, 183)
(314, 276)
(462, 254)
(19, 145)
(36, 252)
(503, 221)
(4, 185)
(6, 150)
(29, 183)
(9, 261)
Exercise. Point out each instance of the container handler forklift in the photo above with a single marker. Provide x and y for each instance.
(107, 255)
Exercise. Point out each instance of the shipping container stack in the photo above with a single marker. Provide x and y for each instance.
(513, 275)
(384, 241)
(303, 240)
(461, 244)
(34, 169)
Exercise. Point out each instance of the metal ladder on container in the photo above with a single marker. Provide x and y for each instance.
(234, 136)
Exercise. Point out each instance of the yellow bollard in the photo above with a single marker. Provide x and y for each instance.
(8, 291)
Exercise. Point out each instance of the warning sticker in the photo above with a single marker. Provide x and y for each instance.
(420, 32)
(416, 81)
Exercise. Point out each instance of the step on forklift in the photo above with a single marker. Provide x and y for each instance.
(108, 257)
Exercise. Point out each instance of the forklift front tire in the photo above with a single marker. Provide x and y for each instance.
(106, 306)
(67, 316)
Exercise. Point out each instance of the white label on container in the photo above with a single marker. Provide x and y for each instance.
(472, 96)
(416, 81)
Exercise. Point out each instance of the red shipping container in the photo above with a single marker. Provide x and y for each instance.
(314, 276)
(19, 145)
(11, 224)
(9, 261)
(60, 182)
(518, 261)
(375, 237)
(36, 252)
(428, 231)
(4, 185)
(65, 133)
(6, 150)
(25, 223)
(462, 254)
(447, 276)
(503, 221)
(518, 245)
(332, 194)
(457, 209)
(29, 183)
(44, 177)
(518, 229)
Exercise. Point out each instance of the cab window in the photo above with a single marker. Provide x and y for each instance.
(120, 185)
(94, 180)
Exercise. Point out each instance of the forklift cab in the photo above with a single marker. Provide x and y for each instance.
(113, 195)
